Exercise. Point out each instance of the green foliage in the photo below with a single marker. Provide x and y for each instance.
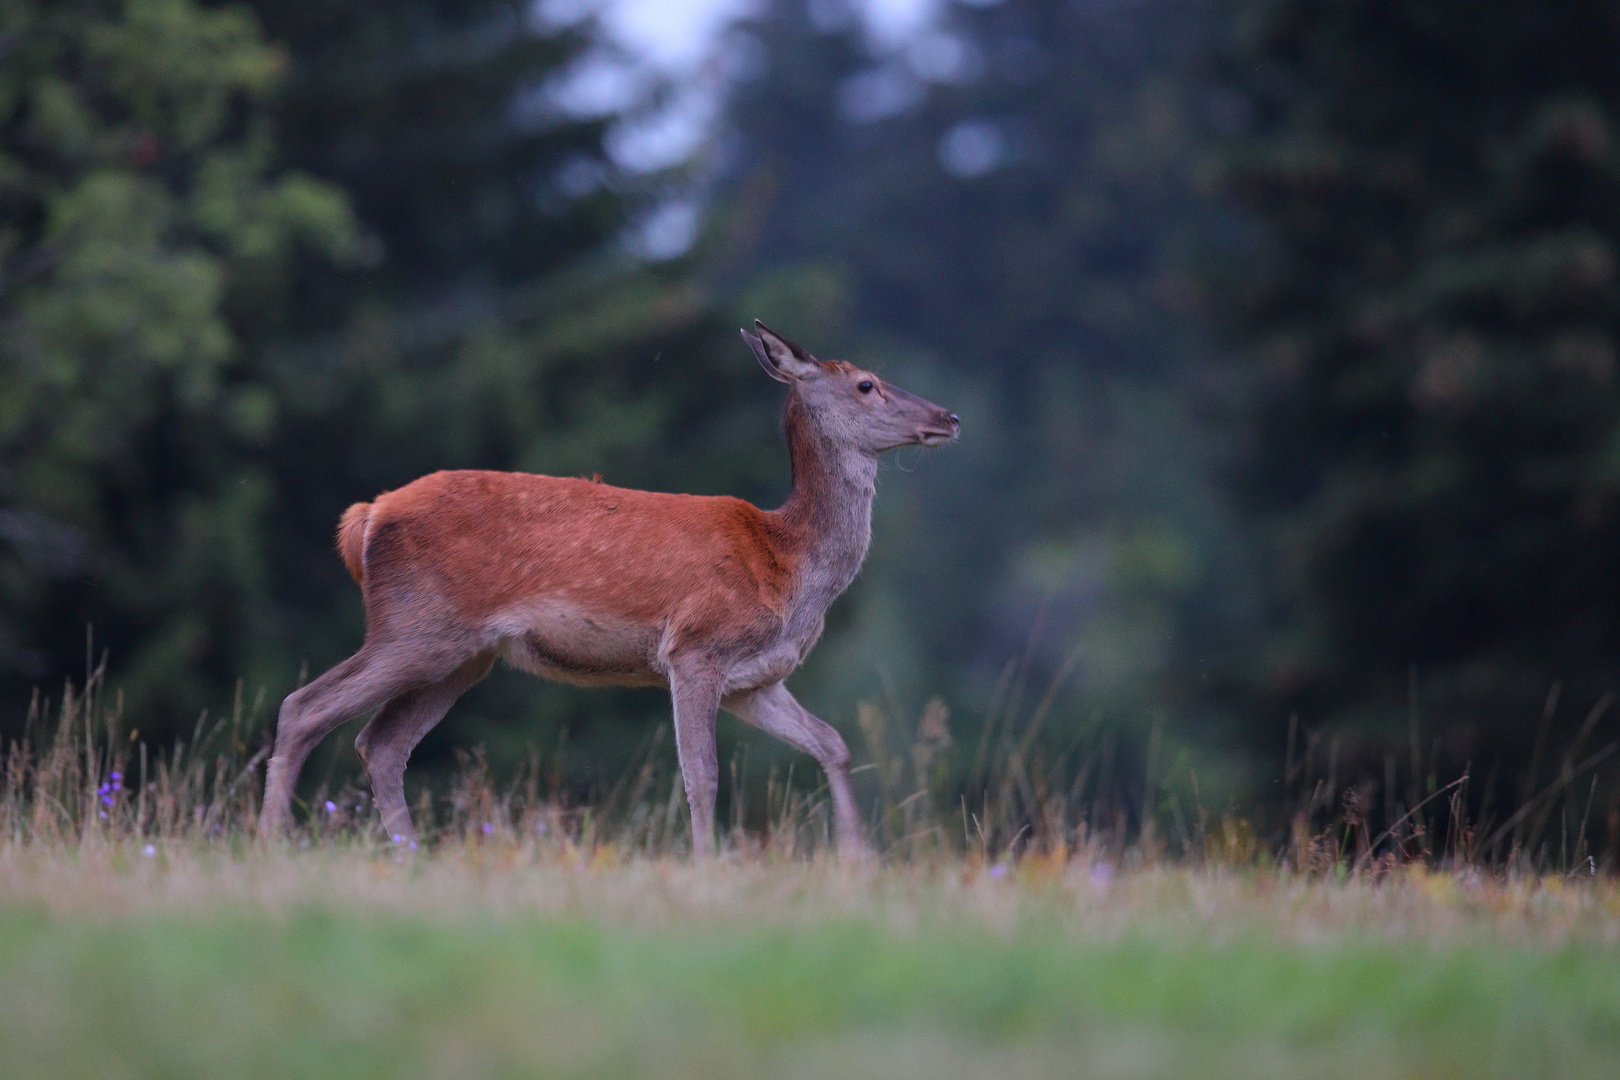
(1431, 327)
(138, 194)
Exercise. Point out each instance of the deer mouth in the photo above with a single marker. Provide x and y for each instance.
(948, 426)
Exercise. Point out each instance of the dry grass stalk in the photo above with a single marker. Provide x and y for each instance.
(77, 779)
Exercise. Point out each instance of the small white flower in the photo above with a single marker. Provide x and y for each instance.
(149, 851)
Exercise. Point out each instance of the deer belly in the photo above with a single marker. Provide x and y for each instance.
(559, 641)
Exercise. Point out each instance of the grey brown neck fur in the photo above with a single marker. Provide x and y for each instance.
(829, 509)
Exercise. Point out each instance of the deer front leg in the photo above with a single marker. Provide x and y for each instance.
(696, 694)
(774, 709)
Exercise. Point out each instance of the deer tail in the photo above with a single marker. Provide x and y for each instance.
(351, 537)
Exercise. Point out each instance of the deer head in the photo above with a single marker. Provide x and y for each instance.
(853, 407)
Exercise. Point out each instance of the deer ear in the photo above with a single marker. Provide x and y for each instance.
(763, 357)
(781, 359)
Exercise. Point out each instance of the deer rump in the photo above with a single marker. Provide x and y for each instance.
(571, 579)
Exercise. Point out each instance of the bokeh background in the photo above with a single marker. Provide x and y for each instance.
(1283, 334)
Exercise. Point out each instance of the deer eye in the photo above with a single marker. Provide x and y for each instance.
(864, 386)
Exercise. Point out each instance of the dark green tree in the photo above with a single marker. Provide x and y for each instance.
(1430, 322)
(140, 206)
(1003, 213)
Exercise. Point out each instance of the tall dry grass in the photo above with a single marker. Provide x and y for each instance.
(1016, 790)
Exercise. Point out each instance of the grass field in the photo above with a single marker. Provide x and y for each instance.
(500, 959)
(144, 932)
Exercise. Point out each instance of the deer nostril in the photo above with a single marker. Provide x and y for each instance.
(956, 421)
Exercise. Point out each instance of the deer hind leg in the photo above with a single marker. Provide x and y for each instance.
(774, 710)
(697, 697)
(365, 681)
(385, 744)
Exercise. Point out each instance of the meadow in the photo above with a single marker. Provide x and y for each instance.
(144, 932)
(501, 958)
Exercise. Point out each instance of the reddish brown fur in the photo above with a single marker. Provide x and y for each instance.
(490, 540)
(351, 538)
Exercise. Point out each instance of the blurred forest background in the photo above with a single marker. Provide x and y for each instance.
(1283, 333)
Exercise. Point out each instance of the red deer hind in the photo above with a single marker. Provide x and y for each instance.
(597, 585)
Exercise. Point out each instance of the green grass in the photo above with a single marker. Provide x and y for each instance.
(492, 962)
(144, 933)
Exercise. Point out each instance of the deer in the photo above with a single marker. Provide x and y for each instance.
(576, 580)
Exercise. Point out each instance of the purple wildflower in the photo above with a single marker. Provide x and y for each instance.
(489, 827)
(331, 807)
(999, 870)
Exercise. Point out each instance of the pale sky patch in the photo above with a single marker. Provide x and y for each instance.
(679, 41)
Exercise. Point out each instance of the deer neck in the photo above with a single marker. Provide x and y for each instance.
(828, 513)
